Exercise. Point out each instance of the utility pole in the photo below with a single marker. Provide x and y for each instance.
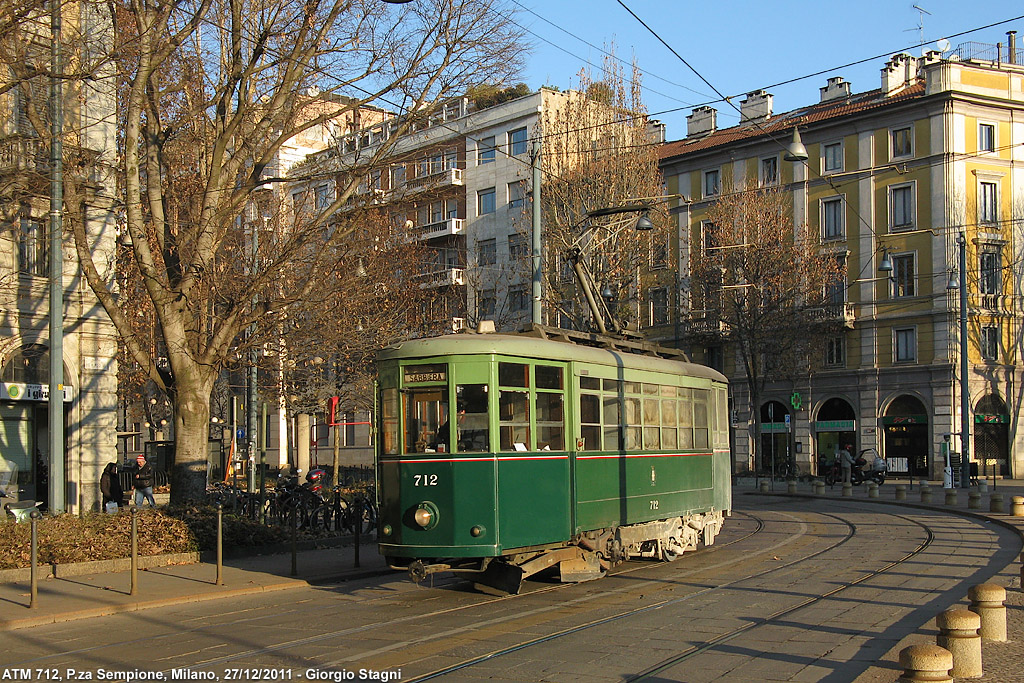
(536, 312)
(965, 394)
(56, 398)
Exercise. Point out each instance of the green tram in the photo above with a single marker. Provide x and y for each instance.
(500, 456)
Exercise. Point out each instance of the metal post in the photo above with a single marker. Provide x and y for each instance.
(536, 312)
(135, 550)
(56, 397)
(220, 544)
(358, 527)
(295, 534)
(965, 396)
(34, 559)
(263, 463)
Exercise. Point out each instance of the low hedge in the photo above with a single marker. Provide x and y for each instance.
(69, 538)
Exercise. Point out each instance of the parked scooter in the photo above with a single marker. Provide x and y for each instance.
(20, 509)
(858, 473)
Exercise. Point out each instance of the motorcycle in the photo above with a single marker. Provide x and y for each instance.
(858, 475)
(21, 510)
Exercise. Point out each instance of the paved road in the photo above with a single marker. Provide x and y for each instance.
(808, 590)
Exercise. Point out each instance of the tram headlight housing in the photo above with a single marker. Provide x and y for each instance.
(426, 515)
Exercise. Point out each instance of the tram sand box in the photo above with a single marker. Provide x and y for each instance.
(502, 456)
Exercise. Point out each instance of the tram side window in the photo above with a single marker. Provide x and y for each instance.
(590, 421)
(612, 413)
(668, 423)
(550, 422)
(633, 423)
(700, 418)
(471, 413)
(389, 421)
(684, 415)
(513, 374)
(424, 411)
(652, 419)
(721, 437)
(514, 420)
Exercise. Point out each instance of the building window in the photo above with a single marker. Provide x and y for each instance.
(487, 252)
(903, 275)
(398, 176)
(517, 247)
(990, 272)
(485, 202)
(835, 290)
(518, 299)
(33, 250)
(990, 342)
(986, 137)
(988, 202)
(832, 224)
(711, 184)
(835, 352)
(833, 157)
(903, 142)
(905, 344)
(485, 150)
(517, 141)
(323, 197)
(660, 249)
(769, 170)
(486, 304)
(659, 306)
(517, 194)
(709, 238)
(901, 207)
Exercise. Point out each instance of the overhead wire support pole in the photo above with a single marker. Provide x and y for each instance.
(56, 501)
(965, 395)
(536, 312)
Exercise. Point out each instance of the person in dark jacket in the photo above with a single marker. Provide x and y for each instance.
(110, 486)
(144, 483)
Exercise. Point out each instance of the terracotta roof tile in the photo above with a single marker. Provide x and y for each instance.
(816, 113)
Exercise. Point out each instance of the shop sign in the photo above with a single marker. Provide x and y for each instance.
(835, 426)
(992, 419)
(905, 420)
(16, 391)
(774, 427)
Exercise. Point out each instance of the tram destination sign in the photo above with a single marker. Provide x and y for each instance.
(426, 373)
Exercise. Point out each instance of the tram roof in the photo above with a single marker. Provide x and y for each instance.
(535, 347)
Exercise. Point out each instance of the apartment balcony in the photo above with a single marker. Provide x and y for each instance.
(844, 312)
(448, 277)
(445, 228)
(21, 154)
(705, 323)
(449, 177)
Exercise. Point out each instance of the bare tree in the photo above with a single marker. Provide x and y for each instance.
(599, 153)
(211, 92)
(770, 285)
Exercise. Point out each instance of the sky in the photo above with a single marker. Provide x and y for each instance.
(738, 46)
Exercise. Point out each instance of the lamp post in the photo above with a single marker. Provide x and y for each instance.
(56, 395)
(960, 282)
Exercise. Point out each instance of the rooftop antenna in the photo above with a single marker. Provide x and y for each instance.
(921, 11)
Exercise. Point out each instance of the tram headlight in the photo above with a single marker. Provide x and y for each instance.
(426, 515)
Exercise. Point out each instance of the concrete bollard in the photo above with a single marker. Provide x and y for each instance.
(847, 490)
(926, 663)
(988, 602)
(974, 500)
(791, 486)
(901, 492)
(950, 496)
(1018, 506)
(872, 490)
(819, 487)
(982, 487)
(764, 486)
(926, 493)
(995, 502)
(958, 633)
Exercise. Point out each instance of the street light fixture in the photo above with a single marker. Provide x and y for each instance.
(796, 151)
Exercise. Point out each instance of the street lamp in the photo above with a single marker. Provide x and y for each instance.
(959, 281)
(796, 151)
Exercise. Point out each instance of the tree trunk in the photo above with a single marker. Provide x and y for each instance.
(191, 435)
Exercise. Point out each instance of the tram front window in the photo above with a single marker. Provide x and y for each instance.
(425, 411)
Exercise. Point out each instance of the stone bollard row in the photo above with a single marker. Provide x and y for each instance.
(791, 486)
(958, 633)
(926, 663)
(1017, 509)
(901, 492)
(950, 496)
(764, 486)
(974, 500)
(982, 487)
(847, 490)
(819, 487)
(995, 502)
(988, 601)
(872, 490)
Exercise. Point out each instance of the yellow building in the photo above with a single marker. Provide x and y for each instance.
(893, 178)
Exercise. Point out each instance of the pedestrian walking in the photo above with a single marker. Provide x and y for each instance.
(846, 463)
(144, 483)
(110, 488)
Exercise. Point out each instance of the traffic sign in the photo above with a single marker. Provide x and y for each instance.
(240, 434)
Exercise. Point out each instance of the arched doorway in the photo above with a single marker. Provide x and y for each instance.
(835, 426)
(992, 435)
(774, 437)
(906, 434)
(24, 423)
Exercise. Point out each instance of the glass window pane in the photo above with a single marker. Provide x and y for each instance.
(591, 435)
(668, 438)
(612, 385)
(513, 374)
(592, 383)
(611, 410)
(549, 377)
(652, 411)
(652, 438)
(668, 413)
(590, 409)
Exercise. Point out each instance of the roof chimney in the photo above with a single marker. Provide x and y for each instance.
(837, 89)
(898, 72)
(1011, 47)
(702, 121)
(757, 106)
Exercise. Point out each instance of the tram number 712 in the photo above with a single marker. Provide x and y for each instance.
(424, 480)
(654, 505)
